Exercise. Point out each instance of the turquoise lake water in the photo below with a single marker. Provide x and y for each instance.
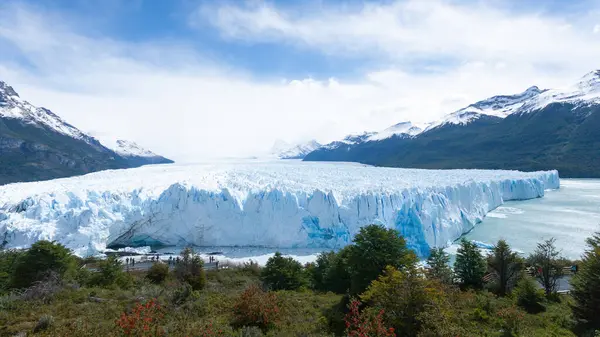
(570, 215)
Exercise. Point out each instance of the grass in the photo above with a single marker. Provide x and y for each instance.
(81, 311)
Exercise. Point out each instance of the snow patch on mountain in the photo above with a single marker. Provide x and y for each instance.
(496, 106)
(585, 92)
(403, 129)
(125, 148)
(284, 150)
(12, 106)
(275, 204)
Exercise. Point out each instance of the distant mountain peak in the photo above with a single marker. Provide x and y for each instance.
(590, 81)
(7, 90)
(284, 150)
(406, 129)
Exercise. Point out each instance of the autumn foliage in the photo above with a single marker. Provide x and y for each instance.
(255, 307)
(364, 325)
(143, 321)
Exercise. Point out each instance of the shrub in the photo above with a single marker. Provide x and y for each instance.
(512, 320)
(191, 269)
(251, 268)
(251, 331)
(158, 273)
(182, 294)
(528, 296)
(144, 320)
(404, 295)
(256, 307)
(283, 273)
(45, 289)
(211, 331)
(365, 324)
(110, 272)
(42, 258)
(44, 323)
(480, 315)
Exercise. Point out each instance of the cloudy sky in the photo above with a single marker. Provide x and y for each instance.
(198, 79)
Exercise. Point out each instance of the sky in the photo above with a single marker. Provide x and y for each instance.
(193, 79)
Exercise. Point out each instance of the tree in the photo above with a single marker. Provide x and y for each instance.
(318, 272)
(546, 260)
(158, 273)
(585, 285)
(403, 296)
(8, 261)
(375, 248)
(470, 266)
(507, 265)
(283, 273)
(43, 257)
(439, 268)
(190, 269)
(330, 272)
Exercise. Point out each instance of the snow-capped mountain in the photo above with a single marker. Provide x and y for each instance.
(348, 141)
(36, 144)
(13, 107)
(585, 92)
(284, 150)
(127, 148)
(497, 106)
(133, 152)
(402, 129)
(533, 130)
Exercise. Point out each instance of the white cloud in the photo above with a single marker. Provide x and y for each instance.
(597, 29)
(414, 29)
(176, 102)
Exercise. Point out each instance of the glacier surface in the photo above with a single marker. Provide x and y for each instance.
(274, 204)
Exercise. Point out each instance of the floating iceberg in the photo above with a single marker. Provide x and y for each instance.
(271, 204)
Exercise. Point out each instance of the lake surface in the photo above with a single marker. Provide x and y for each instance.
(570, 215)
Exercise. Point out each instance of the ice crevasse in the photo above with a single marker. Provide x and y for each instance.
(272, 204)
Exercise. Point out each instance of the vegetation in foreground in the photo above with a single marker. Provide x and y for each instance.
(373, 287)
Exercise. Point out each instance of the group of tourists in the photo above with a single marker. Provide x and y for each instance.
(130, 261)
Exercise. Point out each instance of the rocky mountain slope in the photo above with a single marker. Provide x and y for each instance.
(36, 144)
(534, 130)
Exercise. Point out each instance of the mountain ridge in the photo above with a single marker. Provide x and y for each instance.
(37, 144)
(537, 129)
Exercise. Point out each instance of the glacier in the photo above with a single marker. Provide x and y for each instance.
(282, 204)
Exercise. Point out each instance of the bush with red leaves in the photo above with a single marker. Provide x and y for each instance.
(364, 325)
(143, 321)
(256, 307)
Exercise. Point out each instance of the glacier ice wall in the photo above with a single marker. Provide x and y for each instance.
(290, 204)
